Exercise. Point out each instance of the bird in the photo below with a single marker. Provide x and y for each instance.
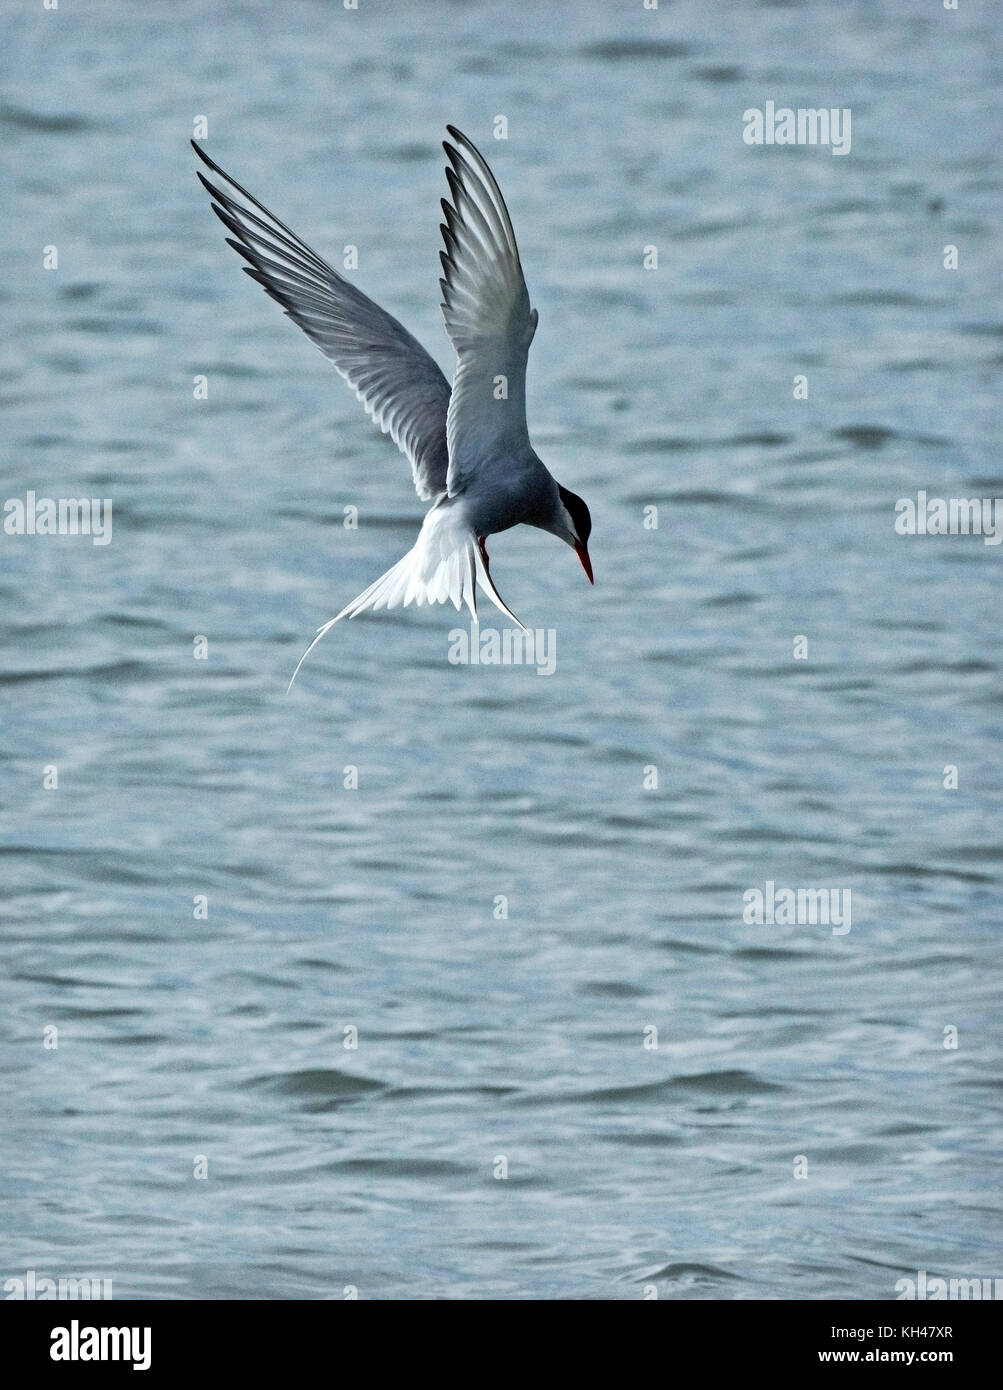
(468, 443)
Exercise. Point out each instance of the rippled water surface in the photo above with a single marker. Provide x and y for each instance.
(481, 1036)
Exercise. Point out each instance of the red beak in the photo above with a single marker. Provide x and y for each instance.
(583, 555)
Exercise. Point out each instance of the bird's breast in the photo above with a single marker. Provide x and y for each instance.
(508, 495)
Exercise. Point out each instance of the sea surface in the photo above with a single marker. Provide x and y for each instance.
(506, 913)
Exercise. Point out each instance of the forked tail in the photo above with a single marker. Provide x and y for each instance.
(424, 575)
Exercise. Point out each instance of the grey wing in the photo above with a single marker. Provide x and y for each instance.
(488, 319)
(400, 385)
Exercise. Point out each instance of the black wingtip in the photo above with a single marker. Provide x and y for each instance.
(464, 142)
(211, 163)
(228, 222)
(242, 250)
(452, 245)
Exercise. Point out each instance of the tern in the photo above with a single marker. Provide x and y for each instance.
(468, 444)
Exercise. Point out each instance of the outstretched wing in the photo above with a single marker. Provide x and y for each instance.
(488, 319)
(399, 384)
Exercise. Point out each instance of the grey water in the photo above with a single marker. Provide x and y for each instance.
(508, 910)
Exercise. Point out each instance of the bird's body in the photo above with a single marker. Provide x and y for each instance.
(468, 444)
(522, 490)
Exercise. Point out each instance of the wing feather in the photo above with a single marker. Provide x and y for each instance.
(488, 318)
(398, 383)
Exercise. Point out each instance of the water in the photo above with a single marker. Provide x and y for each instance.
(329, 909)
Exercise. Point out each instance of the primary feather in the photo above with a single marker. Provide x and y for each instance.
(398, 383)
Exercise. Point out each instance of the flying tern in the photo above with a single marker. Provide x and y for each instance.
(468, 444)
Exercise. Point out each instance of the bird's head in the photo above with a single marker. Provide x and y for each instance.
(574, 526)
